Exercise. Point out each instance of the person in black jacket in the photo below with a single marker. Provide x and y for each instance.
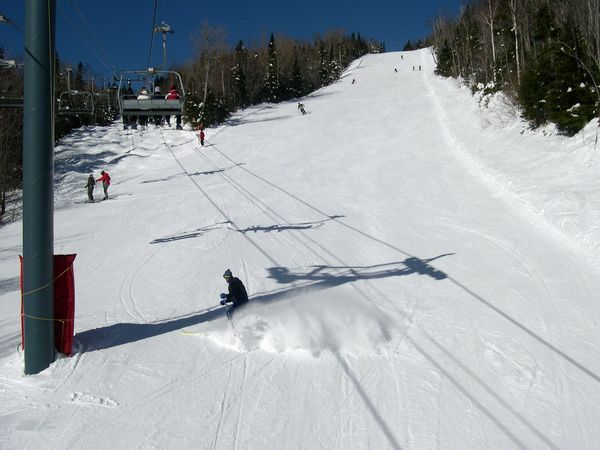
(90, 188)
(237, 292)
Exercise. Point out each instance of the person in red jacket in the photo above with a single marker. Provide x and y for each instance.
(173, 95)
(105, 178)
(201, 137)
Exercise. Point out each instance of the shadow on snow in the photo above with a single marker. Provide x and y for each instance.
(321, 277)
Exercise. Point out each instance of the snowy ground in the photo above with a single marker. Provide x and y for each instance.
(424, 274)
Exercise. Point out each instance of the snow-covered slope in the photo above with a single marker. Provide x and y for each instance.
(423, 274)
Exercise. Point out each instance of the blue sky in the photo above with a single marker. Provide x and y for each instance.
(120, 30)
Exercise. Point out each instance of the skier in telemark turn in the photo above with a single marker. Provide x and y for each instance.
(237, 292)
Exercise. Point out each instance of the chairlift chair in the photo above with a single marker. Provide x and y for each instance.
(73, 102)
(10, 102)
(130, 105)
(76, 103)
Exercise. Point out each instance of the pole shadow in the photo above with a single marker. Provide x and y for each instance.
(126, 333)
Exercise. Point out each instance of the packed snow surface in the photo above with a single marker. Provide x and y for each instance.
(423, 272)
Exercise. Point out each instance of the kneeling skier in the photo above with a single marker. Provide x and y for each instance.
(237, 291)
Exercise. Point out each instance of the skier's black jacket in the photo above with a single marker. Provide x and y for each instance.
(237, 292)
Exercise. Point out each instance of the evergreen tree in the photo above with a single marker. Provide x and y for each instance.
(333, 68)
(296, 80)
(209, 113)
(323, 66)
(571, 97)
(361, 46)
(532, 91)
(78, 83)
(544, 24)
(559, 88)
(239, 75)
(272, 82)
(444, 60)
(354, 46)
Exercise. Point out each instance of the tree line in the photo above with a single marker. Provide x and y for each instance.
(545, 54)
(11, 133)
(218, 81)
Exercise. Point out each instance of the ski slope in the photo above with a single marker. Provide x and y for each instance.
(424, 273)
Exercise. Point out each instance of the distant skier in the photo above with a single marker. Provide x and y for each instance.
(91, 183)
(105, 178)
(237, 292)
(395, 70)
(201, 137)
(301, 108)
(353, 81)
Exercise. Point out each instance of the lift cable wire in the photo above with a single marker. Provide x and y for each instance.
(100, 58)
(100, 48)
(4, 19)
(152, 32)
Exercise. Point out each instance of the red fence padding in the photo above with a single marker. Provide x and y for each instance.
(64, 303)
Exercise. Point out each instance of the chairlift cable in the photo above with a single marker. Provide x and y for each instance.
(152, 32)
(100, 48)
(5, 19)
(100, 58)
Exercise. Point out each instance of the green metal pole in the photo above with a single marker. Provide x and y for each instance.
(38, 196)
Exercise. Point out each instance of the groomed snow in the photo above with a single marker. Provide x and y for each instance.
(424, 273)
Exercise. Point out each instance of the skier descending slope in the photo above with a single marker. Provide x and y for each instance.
(237, 291)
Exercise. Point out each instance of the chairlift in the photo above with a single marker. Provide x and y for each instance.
(132, 81)
(73, 102)
(10, 102)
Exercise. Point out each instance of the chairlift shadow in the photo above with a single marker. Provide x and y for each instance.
(243, 121)
(322, 277)
(288, 226)
(160, 180)
(279, 228)
(207, 172)
(189, 234)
